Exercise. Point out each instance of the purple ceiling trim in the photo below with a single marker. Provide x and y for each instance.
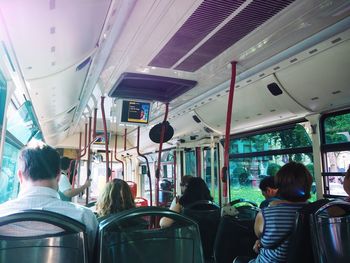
(205, 19)
(254, 15)
(150, 87)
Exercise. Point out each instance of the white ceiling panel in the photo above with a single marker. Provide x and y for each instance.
(50, 36)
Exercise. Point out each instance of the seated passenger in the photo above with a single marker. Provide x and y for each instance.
(274, 223)
(39, 173)
(65, 188)
(183, 185)
(196, 190)
(115, 197)
(268, 190)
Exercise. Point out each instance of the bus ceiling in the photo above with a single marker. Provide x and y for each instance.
(59, 59)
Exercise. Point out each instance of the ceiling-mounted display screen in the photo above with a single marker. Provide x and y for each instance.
(135, 112)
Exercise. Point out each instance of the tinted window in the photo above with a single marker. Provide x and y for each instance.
(337, 128)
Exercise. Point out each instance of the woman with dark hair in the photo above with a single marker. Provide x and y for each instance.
(116, 197)
(196, 190)
(274, 224)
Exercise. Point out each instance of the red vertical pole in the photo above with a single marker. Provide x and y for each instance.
(147, 163)
(160, 152)
(198, 161)
(94, 127)
(174, 181)
(105, 135)
(88, 161)
(77, 161)
(224, 170)
(115, 154)
(125, 134)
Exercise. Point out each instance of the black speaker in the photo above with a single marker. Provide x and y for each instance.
(154, 133)
(274, 89)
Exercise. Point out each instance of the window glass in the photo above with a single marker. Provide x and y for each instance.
(293, 136)
(207, 173)
(22, 124)
(3, 91)
(337, 128)
(8, 180)
(335, 152)
(190, 163)
(246, 172)
(336, 162)
(334, 185)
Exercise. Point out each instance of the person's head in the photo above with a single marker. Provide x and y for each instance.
(184, 182)
(196, 190)
(293, 182)
(39, 164)
(115, 197)
(346, 184)
(267, 187)
(65, 163)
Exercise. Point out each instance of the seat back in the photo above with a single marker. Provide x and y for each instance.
(42, 236)
(321, 233)
(121, 239)
(330, 232)
(207, 215)
(235, 235)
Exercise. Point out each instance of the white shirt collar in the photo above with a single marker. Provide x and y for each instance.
(38, 190)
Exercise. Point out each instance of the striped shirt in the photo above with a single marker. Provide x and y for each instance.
(279, 222)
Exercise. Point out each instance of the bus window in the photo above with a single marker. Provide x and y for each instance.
(335, 151)
(8, 180)
(252, 157)
(207, 172)
(190, 162)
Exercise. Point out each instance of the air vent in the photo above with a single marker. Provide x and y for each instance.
(208, 16)
(207, 130)
(313, 51)
(274, 89)
(205, 19)
(336, 40)
(83, 64)
(250, 18)
(196, 119)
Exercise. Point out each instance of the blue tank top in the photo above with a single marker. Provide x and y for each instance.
(279, 222)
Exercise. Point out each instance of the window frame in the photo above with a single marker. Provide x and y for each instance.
(330, 147)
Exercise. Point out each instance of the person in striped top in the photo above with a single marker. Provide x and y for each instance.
(274, 224)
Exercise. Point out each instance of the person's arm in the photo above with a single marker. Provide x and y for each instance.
(176, 207)
(259, 225)
(258, 230)
(73, 192)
